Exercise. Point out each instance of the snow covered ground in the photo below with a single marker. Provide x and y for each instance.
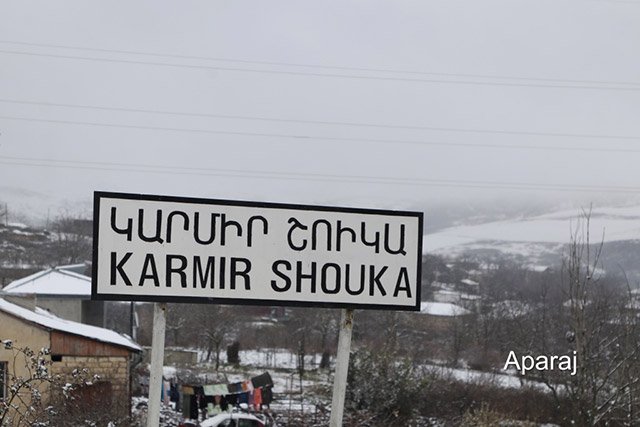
(502, 380)
(444, 309)
(269, 358)
(294, 397)
(536, 235)
(285, 376)
(275, 358)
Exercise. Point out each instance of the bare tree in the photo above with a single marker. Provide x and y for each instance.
(604, 334)
(4, 213)
(38, 397)
(326, 326)
(216, 323)
(71, 239)
(177, 323)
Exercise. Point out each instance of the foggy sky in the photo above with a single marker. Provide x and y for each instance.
(427, 139)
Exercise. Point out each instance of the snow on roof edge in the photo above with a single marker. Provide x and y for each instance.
(72, 274)
(69, 266)
(51, 321)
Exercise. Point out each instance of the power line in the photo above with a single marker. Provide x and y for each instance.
(333, 75)
(319, 122)
(320, 66)
(325, 138)
(291, 176)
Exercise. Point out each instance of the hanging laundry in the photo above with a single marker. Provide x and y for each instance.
(232, 399)
(199, 392)
(247, 386)
(215, 390)
(174, 394)
(213, 409)
(257, 397)
(262, 380)
(166, 392)
(267, 396)
(192, 412)
(234, 388)
(220, 389)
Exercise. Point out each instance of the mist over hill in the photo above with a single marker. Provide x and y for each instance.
(529, 232)
(539, 241)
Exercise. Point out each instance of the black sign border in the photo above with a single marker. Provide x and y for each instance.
(97, 195)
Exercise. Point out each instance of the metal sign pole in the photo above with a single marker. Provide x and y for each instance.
(342, 368)
(157, 361)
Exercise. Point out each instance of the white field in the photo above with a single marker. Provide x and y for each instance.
(542, 233)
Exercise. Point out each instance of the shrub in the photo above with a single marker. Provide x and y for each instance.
(384, 386)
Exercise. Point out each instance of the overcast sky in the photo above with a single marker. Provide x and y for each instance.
(393, 104)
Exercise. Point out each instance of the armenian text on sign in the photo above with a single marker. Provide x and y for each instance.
(157, 248)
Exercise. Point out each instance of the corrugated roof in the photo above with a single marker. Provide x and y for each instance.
(44, 318)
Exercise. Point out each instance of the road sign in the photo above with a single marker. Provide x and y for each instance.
(175, 249)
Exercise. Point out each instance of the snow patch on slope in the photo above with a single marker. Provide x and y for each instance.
(546, 233)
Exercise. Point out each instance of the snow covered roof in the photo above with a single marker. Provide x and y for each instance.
(44, 318)
(54, 281)
(460, 295)
(442, 309)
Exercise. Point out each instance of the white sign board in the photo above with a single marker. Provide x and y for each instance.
(173, 249)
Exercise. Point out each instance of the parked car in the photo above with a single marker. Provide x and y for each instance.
(232, 420)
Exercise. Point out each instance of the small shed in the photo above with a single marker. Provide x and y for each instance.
(72, 345)
(442, 315)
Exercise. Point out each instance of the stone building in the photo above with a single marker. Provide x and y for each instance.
(441, 316)
(71, 346)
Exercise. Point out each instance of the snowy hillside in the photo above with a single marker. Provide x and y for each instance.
(540, 239)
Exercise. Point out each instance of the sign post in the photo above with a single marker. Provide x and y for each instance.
(157, 362)
(173, 249)
(342, 368)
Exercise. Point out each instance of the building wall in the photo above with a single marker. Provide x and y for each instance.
(67, 308)
(23, 335)
(69, 352)
(93, 313)
(109, 362)
(75, 309)
(446, 297)
(112, 370)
